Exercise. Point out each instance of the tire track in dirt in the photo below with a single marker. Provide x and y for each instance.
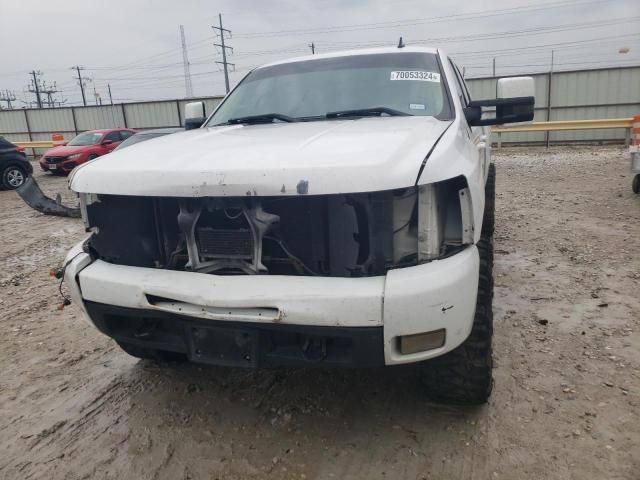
(566, 402)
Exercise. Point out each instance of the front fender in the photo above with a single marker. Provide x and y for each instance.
(455, 155)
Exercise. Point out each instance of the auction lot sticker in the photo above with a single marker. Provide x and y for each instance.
(419, 75)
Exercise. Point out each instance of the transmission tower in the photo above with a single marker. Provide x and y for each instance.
(8, 97)
(50, 90)
(40, 88)
(185, 61)
(221, 31)
(97, 96)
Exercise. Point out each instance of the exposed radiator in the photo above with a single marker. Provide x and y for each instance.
(225, 243)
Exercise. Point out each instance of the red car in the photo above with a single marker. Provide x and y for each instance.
(81, 149)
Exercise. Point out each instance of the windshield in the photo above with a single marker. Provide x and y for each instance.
(89, 138)
(409, 82)
(140, 137)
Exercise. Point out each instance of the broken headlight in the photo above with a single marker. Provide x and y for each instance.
(431, 221)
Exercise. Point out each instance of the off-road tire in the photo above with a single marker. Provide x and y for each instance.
(150, 353)
(635, 185)
(8, 180)
(489, 218)
(464, 375)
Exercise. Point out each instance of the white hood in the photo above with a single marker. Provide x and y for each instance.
(323, 157)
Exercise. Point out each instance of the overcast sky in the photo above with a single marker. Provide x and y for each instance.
(134, 45)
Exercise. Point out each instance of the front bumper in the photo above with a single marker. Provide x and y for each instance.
(433, 296)
(241, 344)
(62, 167)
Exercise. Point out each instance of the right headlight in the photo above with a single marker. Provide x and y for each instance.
(431, 221)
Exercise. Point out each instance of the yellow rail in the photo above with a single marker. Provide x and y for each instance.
(553, 126)
(568, 125)
(42, 144)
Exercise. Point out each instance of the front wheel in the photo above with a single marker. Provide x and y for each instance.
(13, 177)
(489, 217)
(636, 184)
(464, 375)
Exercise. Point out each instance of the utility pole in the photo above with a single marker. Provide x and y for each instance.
(224, 47)
(547, 139)
(35, 86)
(312, 46)
(96, 95)
(110, 97)
(8, 97)
(494, 67)
(81, 82)
(185, 61)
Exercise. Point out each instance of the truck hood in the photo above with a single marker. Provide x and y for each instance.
(323, 157)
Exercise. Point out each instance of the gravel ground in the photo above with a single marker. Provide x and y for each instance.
(566, 402)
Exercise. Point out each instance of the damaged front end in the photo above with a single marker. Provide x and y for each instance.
(338, 235)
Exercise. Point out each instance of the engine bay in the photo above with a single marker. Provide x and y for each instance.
(343, 235)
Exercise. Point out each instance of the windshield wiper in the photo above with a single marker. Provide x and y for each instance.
(367, 112)
(262, 118)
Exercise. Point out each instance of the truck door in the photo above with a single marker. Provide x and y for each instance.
(480, 136)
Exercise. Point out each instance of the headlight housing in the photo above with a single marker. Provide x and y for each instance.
(431, 221)
(86, 199)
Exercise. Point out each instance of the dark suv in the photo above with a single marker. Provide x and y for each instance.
(14, 166)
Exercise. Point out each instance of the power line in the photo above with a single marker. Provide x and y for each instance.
(224, 63)
(498, 52)
(531, 31)
(414, 21)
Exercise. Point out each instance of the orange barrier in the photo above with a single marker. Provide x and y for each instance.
(57, 139)
(635, 133)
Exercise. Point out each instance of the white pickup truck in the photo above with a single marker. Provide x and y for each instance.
(333, 211)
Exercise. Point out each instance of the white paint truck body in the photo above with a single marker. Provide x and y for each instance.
(347, 234)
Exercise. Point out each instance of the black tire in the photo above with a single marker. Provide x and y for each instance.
(150, 353)
(13, 176)
(635, 185)
(93, 156)
(489, 219)
(464, 375)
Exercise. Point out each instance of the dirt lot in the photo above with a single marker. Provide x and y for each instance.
(566, 402)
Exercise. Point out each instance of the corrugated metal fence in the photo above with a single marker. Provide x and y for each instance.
(575, 95)
(40, 123)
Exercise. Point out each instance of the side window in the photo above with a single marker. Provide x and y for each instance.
(462, 88)
(124, 134)
(464, 84)
(113, 136)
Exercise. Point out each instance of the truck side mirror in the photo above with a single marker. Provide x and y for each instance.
(194, 115)
(514, 103)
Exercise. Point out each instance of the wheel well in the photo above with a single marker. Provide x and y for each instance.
(13, 164)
